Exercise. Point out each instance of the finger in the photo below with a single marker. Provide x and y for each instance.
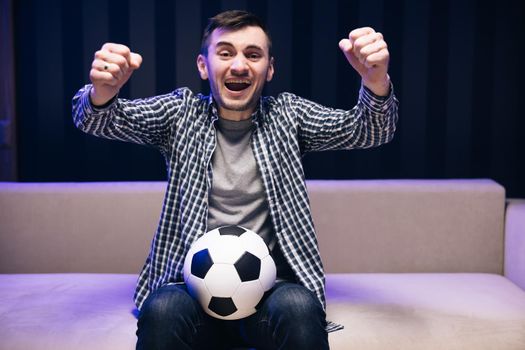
(365, 40)
(377, 59)
(359, 32)
(102, 77)
(135, 60)
(361, 43)
(112, 63)
(373, 48)
(115, 58)
(109, 68)
(119, 49)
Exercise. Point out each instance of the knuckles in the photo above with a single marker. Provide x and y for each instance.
(356, 33)
(116, 48)
(99, 54)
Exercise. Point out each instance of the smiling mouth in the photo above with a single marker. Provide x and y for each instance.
(237, 85)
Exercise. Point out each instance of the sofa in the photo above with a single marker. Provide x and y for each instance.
(411, 264)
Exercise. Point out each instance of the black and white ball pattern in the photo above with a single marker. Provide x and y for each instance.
(228, 270)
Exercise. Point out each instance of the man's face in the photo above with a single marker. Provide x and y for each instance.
(237, 66)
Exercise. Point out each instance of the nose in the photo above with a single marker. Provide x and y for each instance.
(239, 65)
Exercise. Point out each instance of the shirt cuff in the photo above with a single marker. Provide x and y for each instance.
(375, 102)
(97, 109)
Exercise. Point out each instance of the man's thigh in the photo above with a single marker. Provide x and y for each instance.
(288, 310)
(171, 318)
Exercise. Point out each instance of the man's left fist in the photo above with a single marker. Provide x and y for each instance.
(367, 52)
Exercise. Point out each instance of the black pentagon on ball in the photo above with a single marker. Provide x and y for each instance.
(231, 230)
(248, 267)
(201, 263)
(222, 306)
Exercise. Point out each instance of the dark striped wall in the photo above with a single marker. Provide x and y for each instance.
(456, 65)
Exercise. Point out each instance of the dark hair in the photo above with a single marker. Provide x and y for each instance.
(232, 20)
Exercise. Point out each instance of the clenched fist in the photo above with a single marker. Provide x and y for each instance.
(111, 68)
(367, 52)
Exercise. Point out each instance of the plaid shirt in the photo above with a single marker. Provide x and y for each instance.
(181, 126)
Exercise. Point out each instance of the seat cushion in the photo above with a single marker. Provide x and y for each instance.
(379, 311)
(426, 311)
(67, 311)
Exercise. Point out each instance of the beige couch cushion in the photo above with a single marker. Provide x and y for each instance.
(409, 225)
(77, 227)
(67, 311)
(426, 311)
(379, 311)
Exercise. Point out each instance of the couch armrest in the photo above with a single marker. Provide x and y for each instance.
(515, 241)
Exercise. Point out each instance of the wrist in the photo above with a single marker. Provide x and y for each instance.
(380, 87)
(99, 101)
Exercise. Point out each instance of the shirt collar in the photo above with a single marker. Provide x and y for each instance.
(257, 116)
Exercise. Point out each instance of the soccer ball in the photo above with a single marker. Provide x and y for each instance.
(228, 270)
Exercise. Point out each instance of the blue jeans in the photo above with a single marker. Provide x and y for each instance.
(291, 317)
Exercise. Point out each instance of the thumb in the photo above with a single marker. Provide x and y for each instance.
(135, 60)
(345, 45)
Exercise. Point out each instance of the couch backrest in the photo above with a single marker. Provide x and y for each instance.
(77, 227)
(410, 225)
(363, 226)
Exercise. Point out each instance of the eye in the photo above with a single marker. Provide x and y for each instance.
(224, 54)
(254, 56)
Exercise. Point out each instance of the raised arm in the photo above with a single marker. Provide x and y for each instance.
(372, 122)
(97, 110)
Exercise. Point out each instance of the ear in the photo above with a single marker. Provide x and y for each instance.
(269, 73)
(201, 66)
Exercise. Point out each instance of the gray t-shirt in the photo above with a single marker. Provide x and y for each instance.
(237, 196)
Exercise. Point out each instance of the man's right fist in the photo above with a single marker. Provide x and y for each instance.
(111, 68)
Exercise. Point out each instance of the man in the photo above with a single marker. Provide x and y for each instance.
(235, 158)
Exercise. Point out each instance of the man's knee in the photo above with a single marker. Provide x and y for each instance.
(167, 303)
(169, 319)
(296, 318)
(297, 301)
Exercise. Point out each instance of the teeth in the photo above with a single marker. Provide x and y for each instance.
(237, 81)
(237, 84)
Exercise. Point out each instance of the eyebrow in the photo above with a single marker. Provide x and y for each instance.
(226, 43)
